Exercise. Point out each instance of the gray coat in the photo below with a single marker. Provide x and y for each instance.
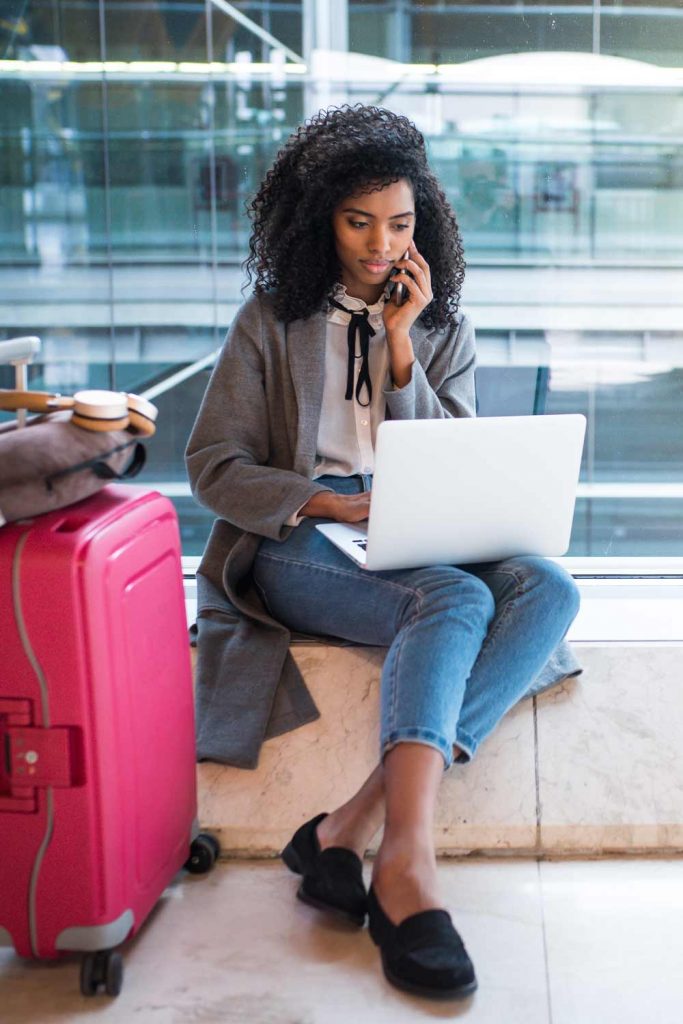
(250, 459)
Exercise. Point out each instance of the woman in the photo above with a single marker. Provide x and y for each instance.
(314, 361)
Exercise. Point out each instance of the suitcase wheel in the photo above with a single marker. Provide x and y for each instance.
(102, 968)
(204, 853)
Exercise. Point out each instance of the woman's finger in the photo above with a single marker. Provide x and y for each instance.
(416, 270)
(415, 255)
(421, 293)
(355, 508)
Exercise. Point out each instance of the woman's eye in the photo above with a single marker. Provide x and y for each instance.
(402, 227)
(358, 223)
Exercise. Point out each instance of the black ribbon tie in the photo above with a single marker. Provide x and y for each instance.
(358, 323)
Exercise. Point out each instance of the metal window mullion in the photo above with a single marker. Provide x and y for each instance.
(596, 26)
(208, 10)
(107, 197)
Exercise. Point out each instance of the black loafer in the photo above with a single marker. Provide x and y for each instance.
(332, 879)
(424, 954)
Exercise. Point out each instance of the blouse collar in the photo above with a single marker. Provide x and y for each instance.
(352, 303)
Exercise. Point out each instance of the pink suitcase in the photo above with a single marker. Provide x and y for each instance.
(97, 745)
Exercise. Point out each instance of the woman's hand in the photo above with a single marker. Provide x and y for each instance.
(344, 508)
(399, 319)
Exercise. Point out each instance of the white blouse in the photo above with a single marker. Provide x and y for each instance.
(347, 429)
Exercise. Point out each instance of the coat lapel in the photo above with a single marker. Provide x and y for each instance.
(422, 346)
(305, 340)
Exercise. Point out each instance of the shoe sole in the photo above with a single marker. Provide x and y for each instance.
(462, 992)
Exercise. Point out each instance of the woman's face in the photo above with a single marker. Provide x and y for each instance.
(371, 231)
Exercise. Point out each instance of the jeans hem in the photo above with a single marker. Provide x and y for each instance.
(467, 745)
(427, 737)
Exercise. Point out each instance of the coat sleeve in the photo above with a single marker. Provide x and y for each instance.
(228, 449)
(444, 388)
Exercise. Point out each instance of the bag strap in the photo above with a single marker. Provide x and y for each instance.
(105, 472)
(100, 467)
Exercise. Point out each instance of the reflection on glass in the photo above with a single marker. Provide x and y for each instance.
(127, 162)
(642, 29)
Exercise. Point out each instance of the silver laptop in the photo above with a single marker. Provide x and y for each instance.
(467, 490)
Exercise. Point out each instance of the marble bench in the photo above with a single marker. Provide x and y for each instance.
(594, 766)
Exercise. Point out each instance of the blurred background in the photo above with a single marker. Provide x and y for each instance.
(134, 132)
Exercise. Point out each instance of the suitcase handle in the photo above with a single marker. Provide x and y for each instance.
(33, 401)
(19, 350)
(91, 410)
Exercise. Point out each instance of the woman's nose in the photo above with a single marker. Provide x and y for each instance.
(380, 242)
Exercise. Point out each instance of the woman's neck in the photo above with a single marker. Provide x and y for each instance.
(370, 294)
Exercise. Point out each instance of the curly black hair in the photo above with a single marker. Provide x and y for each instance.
(344, 151)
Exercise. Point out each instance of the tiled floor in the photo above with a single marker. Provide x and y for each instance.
(592, 942)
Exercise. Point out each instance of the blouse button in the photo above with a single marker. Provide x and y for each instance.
(363, 423)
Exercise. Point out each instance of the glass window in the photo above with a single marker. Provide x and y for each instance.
(645, 30)
(132, 138)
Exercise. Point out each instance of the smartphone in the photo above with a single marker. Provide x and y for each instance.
(400, 292)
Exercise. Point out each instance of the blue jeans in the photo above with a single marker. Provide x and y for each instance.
(464, 643)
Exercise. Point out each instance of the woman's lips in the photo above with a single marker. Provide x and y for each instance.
(376, 267)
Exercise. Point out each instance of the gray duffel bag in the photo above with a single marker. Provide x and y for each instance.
(47, 462)
(51, 463)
